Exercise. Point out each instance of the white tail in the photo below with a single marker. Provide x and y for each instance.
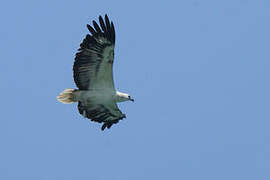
(67, 96)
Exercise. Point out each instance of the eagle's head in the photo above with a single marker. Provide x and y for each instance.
(121, 97)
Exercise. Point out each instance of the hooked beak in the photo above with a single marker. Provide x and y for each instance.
(131, 100)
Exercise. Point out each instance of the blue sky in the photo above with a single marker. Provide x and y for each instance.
(198, 70)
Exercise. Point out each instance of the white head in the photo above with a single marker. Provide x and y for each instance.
(121, 97)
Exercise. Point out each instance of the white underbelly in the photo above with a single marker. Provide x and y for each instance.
(95, 97)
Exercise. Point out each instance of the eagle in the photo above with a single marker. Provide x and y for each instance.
(93, 75)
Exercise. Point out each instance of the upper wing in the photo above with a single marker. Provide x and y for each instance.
(108, 114)
(92, 68)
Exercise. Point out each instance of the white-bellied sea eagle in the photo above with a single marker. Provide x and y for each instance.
(93, 75)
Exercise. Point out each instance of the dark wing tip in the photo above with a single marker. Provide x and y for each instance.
(96, 26)
(103, 126)
(107, 21)
(112, 32)
(107, 125)
(93, 32)
(105, 28)
(102, 24)
(106, 17)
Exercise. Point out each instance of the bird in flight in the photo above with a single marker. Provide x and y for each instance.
(93, 75)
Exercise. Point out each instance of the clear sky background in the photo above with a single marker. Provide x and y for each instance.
(198, 70)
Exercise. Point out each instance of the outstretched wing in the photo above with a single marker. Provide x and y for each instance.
(92, 68)
(108, 114)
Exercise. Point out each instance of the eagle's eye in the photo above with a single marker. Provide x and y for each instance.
(129, 97)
